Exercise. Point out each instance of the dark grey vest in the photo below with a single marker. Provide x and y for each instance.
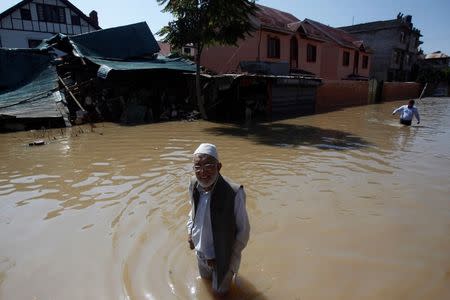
(223, 221)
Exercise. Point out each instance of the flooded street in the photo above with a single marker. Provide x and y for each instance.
(343, 205)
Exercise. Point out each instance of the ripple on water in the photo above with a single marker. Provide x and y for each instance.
(32, 178)
(101, 164)
(105, 192)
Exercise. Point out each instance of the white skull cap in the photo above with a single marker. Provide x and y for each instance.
(206, 148)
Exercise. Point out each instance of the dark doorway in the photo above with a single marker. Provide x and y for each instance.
(294, 53)
(356, 63)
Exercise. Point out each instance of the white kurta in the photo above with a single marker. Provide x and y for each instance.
(201, 230)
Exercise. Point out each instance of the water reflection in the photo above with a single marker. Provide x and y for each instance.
(329, 196)
(285, 135)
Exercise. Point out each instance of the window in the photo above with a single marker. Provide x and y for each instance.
(273, 47)
(396, 57)
(75, 20)
(412, 42)
(51, 13)
(402, 37)
(365, 62)
(346, 58)
(187, 51)
(33, 43)
(311, 53)
(407, 59)
(25, 14)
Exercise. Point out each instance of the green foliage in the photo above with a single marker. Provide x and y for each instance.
(433, 75)
(207, 22)
(446, 74)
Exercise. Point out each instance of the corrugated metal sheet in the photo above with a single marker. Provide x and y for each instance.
(124, 48)
(134, 40)
(338, 35)
(18, 66)
(29, 84)
(293, 100)
(36, 99)
(176, 64)
(274, 17)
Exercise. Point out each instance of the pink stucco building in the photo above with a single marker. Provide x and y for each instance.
(306, 46)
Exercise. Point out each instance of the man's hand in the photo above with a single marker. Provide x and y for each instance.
(191, 243)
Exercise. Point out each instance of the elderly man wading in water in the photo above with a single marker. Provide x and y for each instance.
(218, 226)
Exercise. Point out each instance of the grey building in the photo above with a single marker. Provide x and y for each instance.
(395, 47)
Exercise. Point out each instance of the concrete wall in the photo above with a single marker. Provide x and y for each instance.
(335, 94)
(225, 59)
(382, 43)
(328, 64)
(393, 91)
(332, 62)
(313, 67)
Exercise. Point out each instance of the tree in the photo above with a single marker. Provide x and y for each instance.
(431, 75)
(205, 23)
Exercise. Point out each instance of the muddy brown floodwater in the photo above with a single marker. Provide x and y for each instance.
(343, 205)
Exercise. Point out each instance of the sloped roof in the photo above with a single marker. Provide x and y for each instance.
(436, 55)
(66, 2)
(274, 18)
(125, 48)
(134, 40)
(312, 32)
(33, 90)
(341, 37)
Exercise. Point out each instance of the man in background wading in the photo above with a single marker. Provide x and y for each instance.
(407, 112)
(218, 225)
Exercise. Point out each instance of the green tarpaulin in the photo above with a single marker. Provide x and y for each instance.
(175, 64)
(124, 48)
(135, 40)
(31, 89)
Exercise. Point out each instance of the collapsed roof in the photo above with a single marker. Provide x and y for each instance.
(29, 84)
(125, 48)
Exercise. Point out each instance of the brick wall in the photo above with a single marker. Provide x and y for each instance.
(393, 91)
(335, 94)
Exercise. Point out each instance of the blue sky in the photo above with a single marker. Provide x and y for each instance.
(431, 17)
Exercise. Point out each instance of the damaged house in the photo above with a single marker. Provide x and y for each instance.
(114, 75)
(29, 91)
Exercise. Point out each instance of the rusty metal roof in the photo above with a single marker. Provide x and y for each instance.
(274, 18)
(312, 32)
(339, 36)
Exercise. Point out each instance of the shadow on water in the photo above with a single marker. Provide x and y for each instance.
(287, 135)
(243, 289)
